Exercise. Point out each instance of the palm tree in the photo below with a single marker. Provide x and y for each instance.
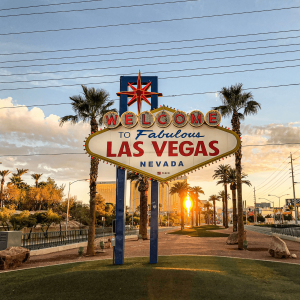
(3, 174)
(222, 196)
(142, 183)
(36, 177)
(214, 198)
(221, 173)
(238, 104)
(232, 182)
(196, 190)
(91, 107)
(207, 205)
(180, 188)
(20, 172)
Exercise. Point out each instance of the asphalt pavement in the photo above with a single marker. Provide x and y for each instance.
(259, 229)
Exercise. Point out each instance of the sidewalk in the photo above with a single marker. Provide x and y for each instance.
(170, 244)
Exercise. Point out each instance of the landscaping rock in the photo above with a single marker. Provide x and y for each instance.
(278, 248)
(293, 256)
(233, 238)
(13, 257)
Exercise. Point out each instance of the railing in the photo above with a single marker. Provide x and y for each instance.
(41, 240)
(287, 230)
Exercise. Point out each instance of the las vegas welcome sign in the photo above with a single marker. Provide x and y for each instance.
(162, 144)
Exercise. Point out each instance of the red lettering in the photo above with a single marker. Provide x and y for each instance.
(211, 118)
(211, 146)
(128, 120)
(172, 148)
(144, 121)
(200, 148)
(160, 151)
(124, 149)
(108, 152)
(189, 149)
(140, 150)
(111, 119)
(179, 115)
(194, 120)
(159, 121)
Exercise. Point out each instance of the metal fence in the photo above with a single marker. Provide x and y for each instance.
(41, 240)
(291, 230)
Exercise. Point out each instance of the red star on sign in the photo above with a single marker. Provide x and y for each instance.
(139, 93)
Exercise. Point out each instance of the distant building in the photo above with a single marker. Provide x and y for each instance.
(169, 203)
(107, 189)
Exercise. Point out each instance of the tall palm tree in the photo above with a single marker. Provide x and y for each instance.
(237, 104)
(142, 183)
(36, 177)
(20, 173)
(207, 205)
(214, 198)
(232, 179)
(3, 174)
(180, 188)
(221, 173)
(196, 190)
(90, 107)
(222, 196)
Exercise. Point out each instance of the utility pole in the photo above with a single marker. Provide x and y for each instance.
(255, 217)
(293, 182)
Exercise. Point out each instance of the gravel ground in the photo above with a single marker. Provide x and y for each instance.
(169, 244)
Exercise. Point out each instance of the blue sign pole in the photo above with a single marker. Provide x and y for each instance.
(154, 193)
(120, 179)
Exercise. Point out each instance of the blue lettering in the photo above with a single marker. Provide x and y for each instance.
(141, 132)
(151, 135)
(198, 135)
(169, 135)
(173, 163)
(142, 164)
(191, 135)
(183, 135)
(180, 164)
(150, 163)
(161, 134)
(178, 132)
(165, 164)
(158, 163)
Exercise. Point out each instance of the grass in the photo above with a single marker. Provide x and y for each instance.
(174, 277)
(202, 231)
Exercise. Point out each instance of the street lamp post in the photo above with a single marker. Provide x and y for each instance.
(279, 204)
(273, 206)
(69, 199)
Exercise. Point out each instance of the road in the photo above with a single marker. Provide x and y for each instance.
(263, 230)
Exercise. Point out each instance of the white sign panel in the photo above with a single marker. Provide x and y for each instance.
(162, 153)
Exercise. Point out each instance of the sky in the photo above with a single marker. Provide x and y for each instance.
(185, 54)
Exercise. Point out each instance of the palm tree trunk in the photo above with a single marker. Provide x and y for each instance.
(223, 211)
(214, 212)
(197, 214)
(226, 207)
(192, 218)
(36, 183)
(182, 213)
(1, 196)
(238, 167)
(143, 214)
(93, 183)
(234, 210)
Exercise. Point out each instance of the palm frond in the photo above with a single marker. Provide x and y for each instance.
(69, 118)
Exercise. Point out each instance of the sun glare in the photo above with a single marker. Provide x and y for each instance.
(188, 204)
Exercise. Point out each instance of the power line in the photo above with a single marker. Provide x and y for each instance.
(52, 4)
(131, 66)
(191, 94)
(156, 43)
(97, 8)
(16, 155)
(161, 78)
(163, 49)
(149, 22)
(161, 71)
(162, 56)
